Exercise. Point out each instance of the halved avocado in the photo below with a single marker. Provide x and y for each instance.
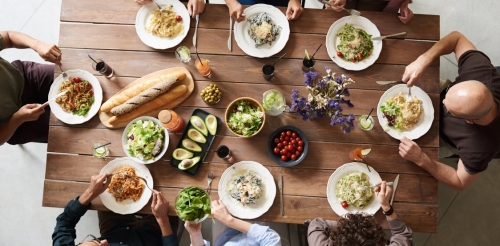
(196, 136)
(191, 145)
(181, 154)
(199, 124)
(188, 163)
(211, 123)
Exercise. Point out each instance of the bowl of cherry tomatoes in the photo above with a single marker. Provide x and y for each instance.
(287, 146)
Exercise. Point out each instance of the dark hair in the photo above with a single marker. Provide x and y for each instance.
(358, 230)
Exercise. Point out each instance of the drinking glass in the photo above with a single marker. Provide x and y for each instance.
(268, 71)
(274, 102)
(366, 122)
(182, 53)
(225, 153)
(99, 152)
(203, 67)
(103, 68)
(307, 64)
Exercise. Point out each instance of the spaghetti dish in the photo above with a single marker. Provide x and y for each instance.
(79, 98)
(125, 184)
(401, 113)
(246, 188)
(262, 29)
(355, 44)
(165, 23)
(349, 189)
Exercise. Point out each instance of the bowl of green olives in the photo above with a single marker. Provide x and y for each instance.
(211, 94)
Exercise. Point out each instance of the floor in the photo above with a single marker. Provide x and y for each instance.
(465, 218)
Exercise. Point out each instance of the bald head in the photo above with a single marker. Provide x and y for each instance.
(469, 100)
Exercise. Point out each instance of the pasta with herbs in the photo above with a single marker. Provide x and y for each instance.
(164, 23)
(246, 188)
(402, 113)
(262, 29)
(355, 44)
(350, 190)
(125, 184)
(79, 98)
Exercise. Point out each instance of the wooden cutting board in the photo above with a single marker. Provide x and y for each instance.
(188, 81)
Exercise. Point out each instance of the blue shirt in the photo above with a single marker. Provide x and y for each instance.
(283, 3)
(257, 236)
(65, 233)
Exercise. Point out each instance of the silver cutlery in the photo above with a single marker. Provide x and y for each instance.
(395, 186)
(146, 182)
(390, 82)
(196, 30)
(373, 186)
(409, 93)
(352, 12)
(65, 76)
(54, 98)
(210, 178)
(392, 35)
(159, 7)
(280, 186)
(229, 41)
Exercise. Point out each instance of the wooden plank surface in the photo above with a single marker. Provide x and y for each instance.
(108, 32)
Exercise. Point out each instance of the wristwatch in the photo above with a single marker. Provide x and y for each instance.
(390, 212)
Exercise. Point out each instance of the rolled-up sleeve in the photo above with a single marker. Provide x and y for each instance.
(401, 234)
(263, 235)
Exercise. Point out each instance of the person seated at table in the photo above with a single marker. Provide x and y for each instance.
(360, 229)
(24, 89)
(116, 229)
(229, 231)
(405, 13)
(294, 8)
(469, 117)
(194, 7)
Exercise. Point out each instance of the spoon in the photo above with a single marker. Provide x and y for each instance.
(278, 59)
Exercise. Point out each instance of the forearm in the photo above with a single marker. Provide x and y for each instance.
(165, 227)
(401, 233)
(18, 40)
(8, 129)
(196, 239)
(443, 173)
(238, 224)
(445, 46)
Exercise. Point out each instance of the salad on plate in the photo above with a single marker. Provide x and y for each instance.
(246, 118)
(145, 139)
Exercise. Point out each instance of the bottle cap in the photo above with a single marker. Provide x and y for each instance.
(165, 116)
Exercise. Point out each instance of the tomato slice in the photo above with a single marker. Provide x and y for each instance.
(77, 80)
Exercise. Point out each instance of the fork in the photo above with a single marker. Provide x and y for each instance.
(65, 76)
(143, 179)
(409, 93)
(210, 178)
(159, 7)
(373, 186)
(352, 12)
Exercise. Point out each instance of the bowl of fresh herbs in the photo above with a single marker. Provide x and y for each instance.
(245, 117)
(192, 204)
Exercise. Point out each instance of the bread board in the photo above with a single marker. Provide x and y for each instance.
(188, 82)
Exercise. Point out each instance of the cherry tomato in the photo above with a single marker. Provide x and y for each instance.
(282, 139)
(287, 138)
(89, 86)
(288, 154)
(276, 140)
(276, 150)
(297, 153)
(280, 145)
(283, 134)
(289, 133)
(285, 143)
(293, 142)
(298, 139)
(284, 151)
(71, 105)
(77, 80)
(300, 148)
(284, 158)
(360, 56)
(339, 54)
(294, 135)
(300, 143)
(178, 18)
(353, 59)
(291, 148)
(294, 157)
(77, 88)
(91, 93)
(344, 204)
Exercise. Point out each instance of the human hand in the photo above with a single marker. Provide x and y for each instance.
(30, 112)
(383, 194)
(415, 70)
(195, 7)
(220, 212)
(338, 5)
(405, 13)
(159, 206)
(294, 10)
(142, 2)
(410, 150)
(98, 184)
(192, 228)
(48, 52)
(235, 10)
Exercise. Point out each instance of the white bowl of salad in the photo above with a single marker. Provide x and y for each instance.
(145, 139)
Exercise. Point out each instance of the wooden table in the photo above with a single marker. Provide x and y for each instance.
(106, 29)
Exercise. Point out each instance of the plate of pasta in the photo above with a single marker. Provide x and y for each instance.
(264, 33)
(349, 44)
(344, 186)
(247, 189)
(401, 116)
(126, 193)
(162, 29)
(81, 102)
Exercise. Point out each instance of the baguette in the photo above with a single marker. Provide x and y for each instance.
(160, 101)
(145, 96)
(134, 90)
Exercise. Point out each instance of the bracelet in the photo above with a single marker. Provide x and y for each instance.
(388, 213)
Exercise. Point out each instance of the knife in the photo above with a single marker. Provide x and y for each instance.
(390, 82)
(394, 186)
(280, 186)
(196, 30)
(54, 98)
(392, 35)
(229, 41)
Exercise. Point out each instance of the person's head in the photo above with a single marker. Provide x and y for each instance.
(469, 100)
(91, 240)
(358, 229)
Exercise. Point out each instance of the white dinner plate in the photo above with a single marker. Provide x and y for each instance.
(142, 19)
(127, 206)
(70, 118)
(332, 40)
(248, 211)
(352, 167)
(248, 45)
(425, 122)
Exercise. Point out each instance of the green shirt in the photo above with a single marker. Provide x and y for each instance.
(11, 88)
